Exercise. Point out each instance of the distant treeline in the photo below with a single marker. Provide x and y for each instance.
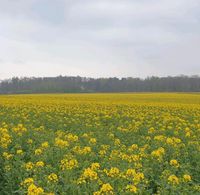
(66, 84)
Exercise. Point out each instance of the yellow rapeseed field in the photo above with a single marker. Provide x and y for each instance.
(100, 144)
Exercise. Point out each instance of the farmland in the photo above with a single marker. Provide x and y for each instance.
(143, 143)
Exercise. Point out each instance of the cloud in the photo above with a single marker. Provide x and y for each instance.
(99, 38)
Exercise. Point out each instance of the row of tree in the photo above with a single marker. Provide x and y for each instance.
(65, 84)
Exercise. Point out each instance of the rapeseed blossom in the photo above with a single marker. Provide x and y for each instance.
(100, 144)
(53, 177)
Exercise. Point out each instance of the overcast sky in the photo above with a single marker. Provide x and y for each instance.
(99, 38)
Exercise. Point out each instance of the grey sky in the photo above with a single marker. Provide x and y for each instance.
(99, 38)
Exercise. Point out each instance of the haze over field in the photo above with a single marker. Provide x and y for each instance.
(99, 38)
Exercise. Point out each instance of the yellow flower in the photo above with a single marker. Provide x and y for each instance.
(93, 141)
(86, 150)
(83, 151)
(95, 166)
(72, 138)
(151, 130)
(131, 188)
(81, 180)
(134, 147)
(117, 142)
(7, 156)
(19, 152)
(61, 143)
(188, 134)
(130, 173)
(29, 141)
(39, 164)
(113, 172)
(34, 190)
(158, 153)
(45, 145)
(53, 177)
(38, 151)
(68, 164)
(173, 179)
(102, 152)
(159, 137)
(5, 138)
(174, 163)
(106, 188)
(138, 177)
(29, 166)
(27, 181)
(90, 174)
(187, 178)
(173, 141)
(20, 129)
